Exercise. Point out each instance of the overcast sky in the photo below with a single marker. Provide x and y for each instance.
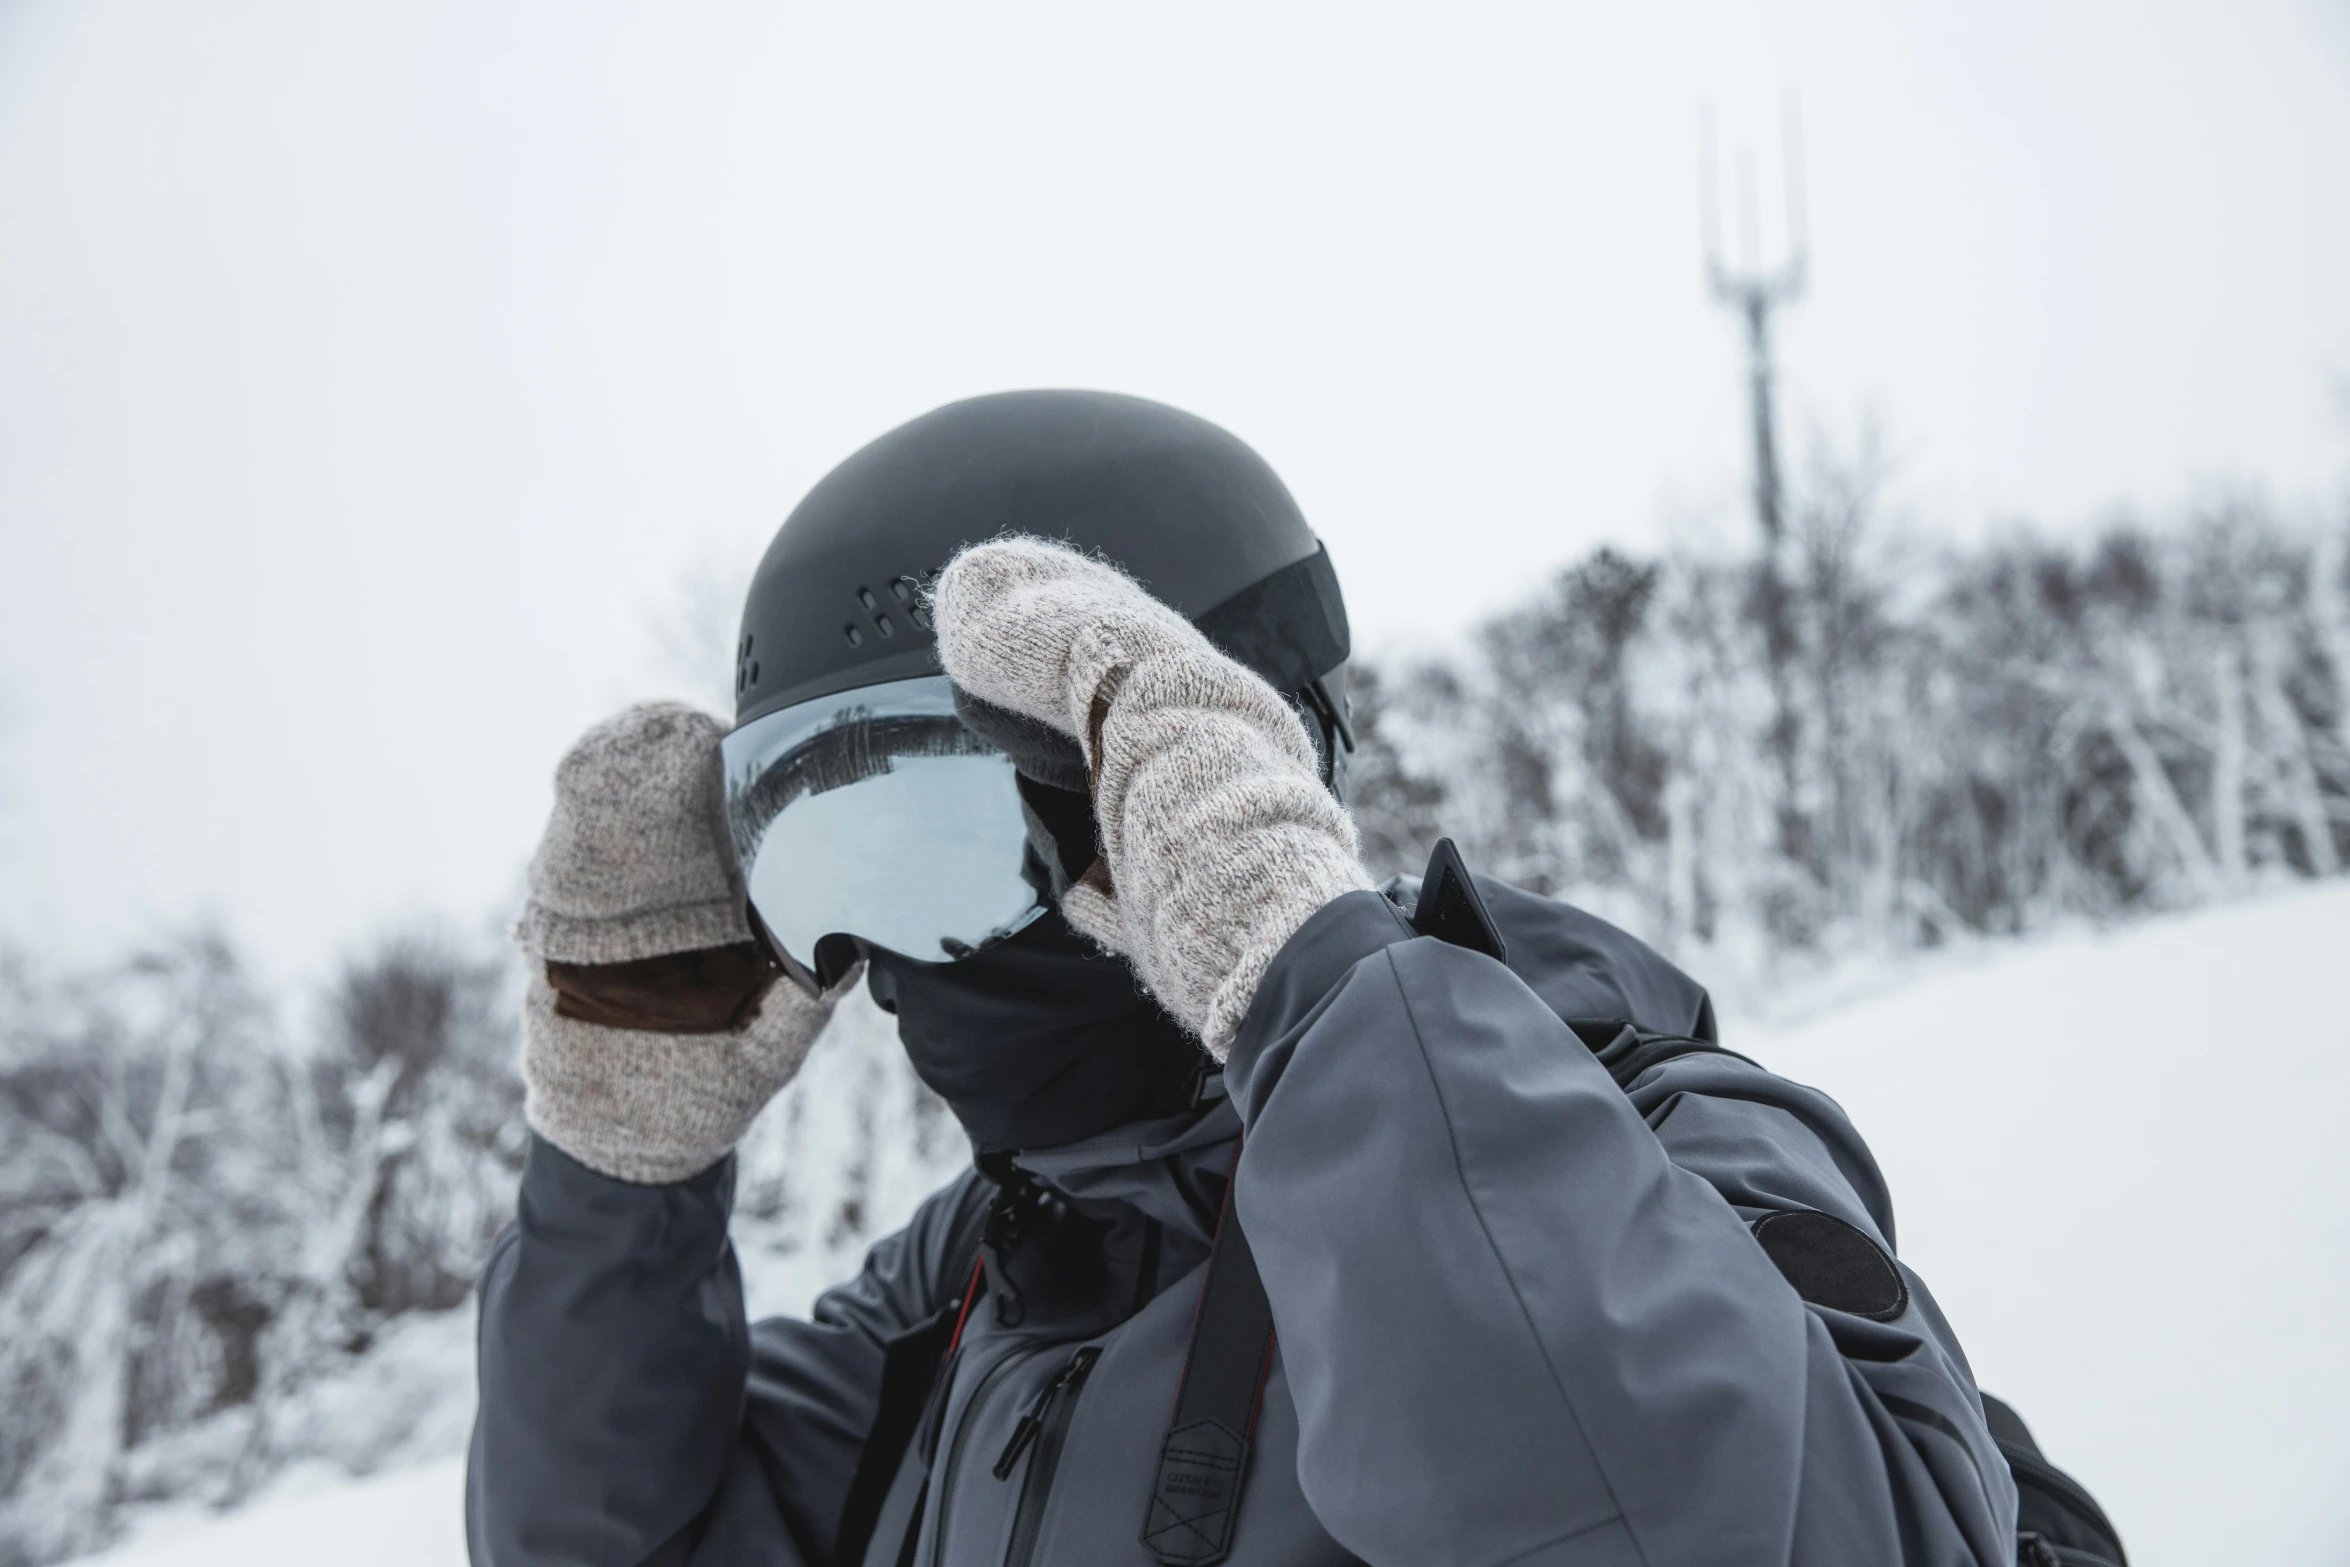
(371, 374)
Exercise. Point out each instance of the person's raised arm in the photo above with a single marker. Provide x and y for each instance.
(616, 1365)
(1544, 1299)
(628, 1415)
(1524, 1320)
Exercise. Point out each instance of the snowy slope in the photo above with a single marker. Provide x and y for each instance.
(408, 1518)
(2111, 1159)
(2117, 1161)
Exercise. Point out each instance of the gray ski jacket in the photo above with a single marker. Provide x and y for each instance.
(1523, 1315)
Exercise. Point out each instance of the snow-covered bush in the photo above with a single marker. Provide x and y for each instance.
(143, 1221)
(1756, 760)
(199, 1221)
(225, 1250)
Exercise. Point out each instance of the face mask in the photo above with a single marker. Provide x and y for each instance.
(1038, 1039)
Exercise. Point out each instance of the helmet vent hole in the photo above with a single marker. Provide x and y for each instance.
(905, 588)
(856, 637)
(866, 598)
(882, 625)
(754, 671)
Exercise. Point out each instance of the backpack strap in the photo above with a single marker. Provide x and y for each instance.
(1196, 1498)
(1627, 1051)
(2058, 1523)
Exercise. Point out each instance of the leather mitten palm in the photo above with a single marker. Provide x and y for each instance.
(1218, 836)
(653, 1030)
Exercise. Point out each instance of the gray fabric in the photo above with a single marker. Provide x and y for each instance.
(1521, 1317)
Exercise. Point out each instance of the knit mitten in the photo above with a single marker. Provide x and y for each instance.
(653, 1028)
(635, 860)
(1218, 836)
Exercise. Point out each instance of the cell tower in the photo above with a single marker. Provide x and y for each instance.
(1754, 290)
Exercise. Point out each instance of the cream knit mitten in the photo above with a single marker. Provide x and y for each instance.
(633, 870)
(1219, 836)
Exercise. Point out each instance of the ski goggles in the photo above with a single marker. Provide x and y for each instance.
(877, 814)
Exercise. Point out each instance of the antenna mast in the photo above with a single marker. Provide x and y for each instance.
(1753, 292)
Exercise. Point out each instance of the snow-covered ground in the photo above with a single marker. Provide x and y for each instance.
(2112, 1158)
(2117, 1161)
(403, 1518)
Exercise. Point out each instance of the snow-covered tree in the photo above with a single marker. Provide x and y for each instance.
(141, 1217)
(1969, 744)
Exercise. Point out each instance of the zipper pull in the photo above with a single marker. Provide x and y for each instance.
(1032, 1419)
(1022, 1435)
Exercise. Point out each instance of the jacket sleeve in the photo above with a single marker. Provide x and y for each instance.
(630, 1415)
(1523, 1314)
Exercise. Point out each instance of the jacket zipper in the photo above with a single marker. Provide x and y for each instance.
(1045, 1427)
(979, 1395)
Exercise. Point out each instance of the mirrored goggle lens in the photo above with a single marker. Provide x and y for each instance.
(875, 813)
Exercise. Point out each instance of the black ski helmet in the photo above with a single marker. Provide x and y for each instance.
(1199, 519)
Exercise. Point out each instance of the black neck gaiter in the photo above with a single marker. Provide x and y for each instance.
(1039, 1040)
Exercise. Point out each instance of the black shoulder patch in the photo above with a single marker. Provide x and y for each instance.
(1832, 1264)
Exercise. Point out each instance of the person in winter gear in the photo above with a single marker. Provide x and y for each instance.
(1541, 1274)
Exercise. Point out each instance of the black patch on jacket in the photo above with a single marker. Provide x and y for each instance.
(1832, 1264)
